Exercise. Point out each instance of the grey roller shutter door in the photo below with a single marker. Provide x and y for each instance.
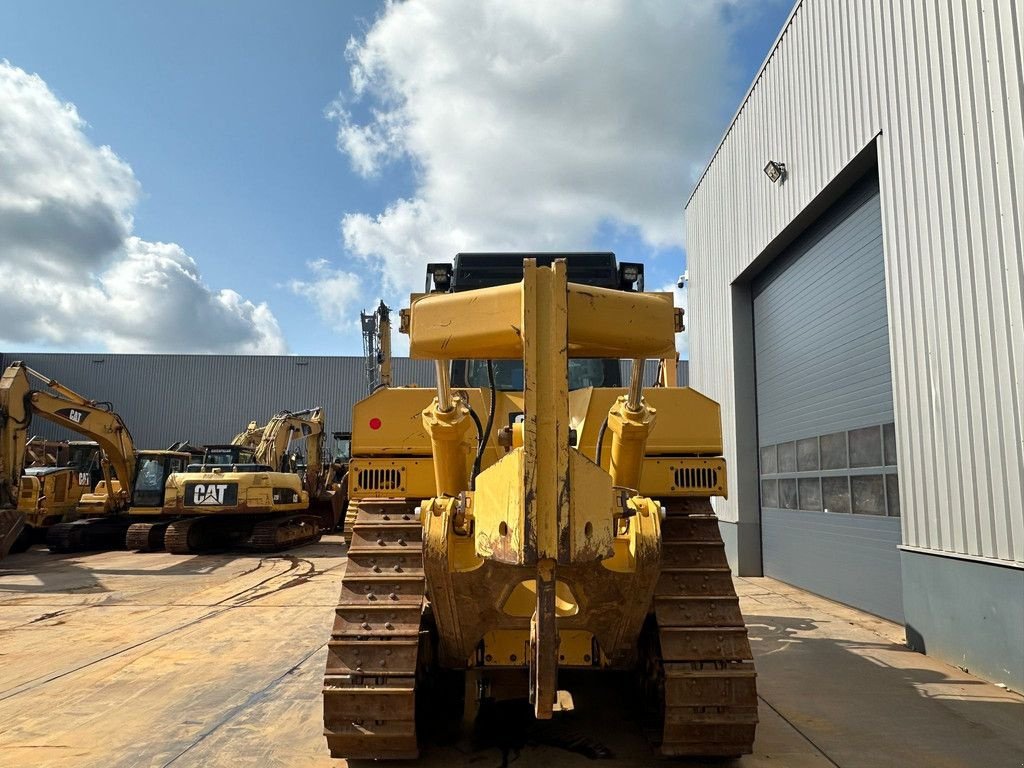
(829, 482)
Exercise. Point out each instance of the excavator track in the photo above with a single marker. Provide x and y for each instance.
(281, 533)
(88, 535)
(196, 535)
(146, 537)
(374, 653)
(699, 663)
(11, 524)
(192, 536)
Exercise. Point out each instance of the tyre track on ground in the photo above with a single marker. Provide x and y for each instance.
(218, 609)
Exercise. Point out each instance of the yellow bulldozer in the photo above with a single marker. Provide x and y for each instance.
(532, 515)
(250, 494)
(92, 514)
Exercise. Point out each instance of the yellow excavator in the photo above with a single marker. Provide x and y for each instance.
(56, 475)
(255, 497)
(131, 480)
(534, 516)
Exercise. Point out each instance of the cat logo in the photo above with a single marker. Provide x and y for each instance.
(73, 415)
(209, 494)
(84, 479)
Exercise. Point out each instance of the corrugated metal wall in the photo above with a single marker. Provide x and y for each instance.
(210, 398)
(943, 85)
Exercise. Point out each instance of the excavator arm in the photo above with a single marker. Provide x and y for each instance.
(287, 426)
(250, 437)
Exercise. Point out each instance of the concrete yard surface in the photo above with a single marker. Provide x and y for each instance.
(122, 659)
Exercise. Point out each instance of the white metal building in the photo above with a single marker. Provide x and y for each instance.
(861, 318)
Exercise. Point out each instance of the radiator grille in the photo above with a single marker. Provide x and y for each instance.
(696, 478)
(380, 479)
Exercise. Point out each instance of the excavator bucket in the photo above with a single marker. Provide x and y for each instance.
(11, 523)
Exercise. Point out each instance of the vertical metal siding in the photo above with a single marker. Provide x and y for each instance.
(944, 86)
(210, 398)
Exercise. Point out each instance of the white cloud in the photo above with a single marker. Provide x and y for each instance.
(334, 293)
(529, 124)
(75, 273)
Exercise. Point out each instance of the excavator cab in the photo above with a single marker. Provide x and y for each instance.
(153, 469)
(240, 458)
(85, 456)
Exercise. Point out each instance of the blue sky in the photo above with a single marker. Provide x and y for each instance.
(220, 109)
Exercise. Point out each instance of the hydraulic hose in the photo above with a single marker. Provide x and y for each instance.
(487, 430)
(479, 439)
(600, 441)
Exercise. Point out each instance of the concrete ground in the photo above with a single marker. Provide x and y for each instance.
(120, 659)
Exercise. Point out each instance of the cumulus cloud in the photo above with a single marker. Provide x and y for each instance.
(530, 124)
(74, 272)
(334, 293)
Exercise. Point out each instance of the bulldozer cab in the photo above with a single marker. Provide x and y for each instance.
(471, 271)
(508, 374)
(153, 468)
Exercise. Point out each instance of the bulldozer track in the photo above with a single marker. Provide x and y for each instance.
(701, 661)
(350, 515)
(373, 655)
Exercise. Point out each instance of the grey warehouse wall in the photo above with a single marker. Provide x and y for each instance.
(943, 126)
(210, 398)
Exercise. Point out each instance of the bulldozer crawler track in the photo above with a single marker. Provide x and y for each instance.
(702, 659)
(374, 652)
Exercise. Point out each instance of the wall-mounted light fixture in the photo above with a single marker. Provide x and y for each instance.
(775, 171)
